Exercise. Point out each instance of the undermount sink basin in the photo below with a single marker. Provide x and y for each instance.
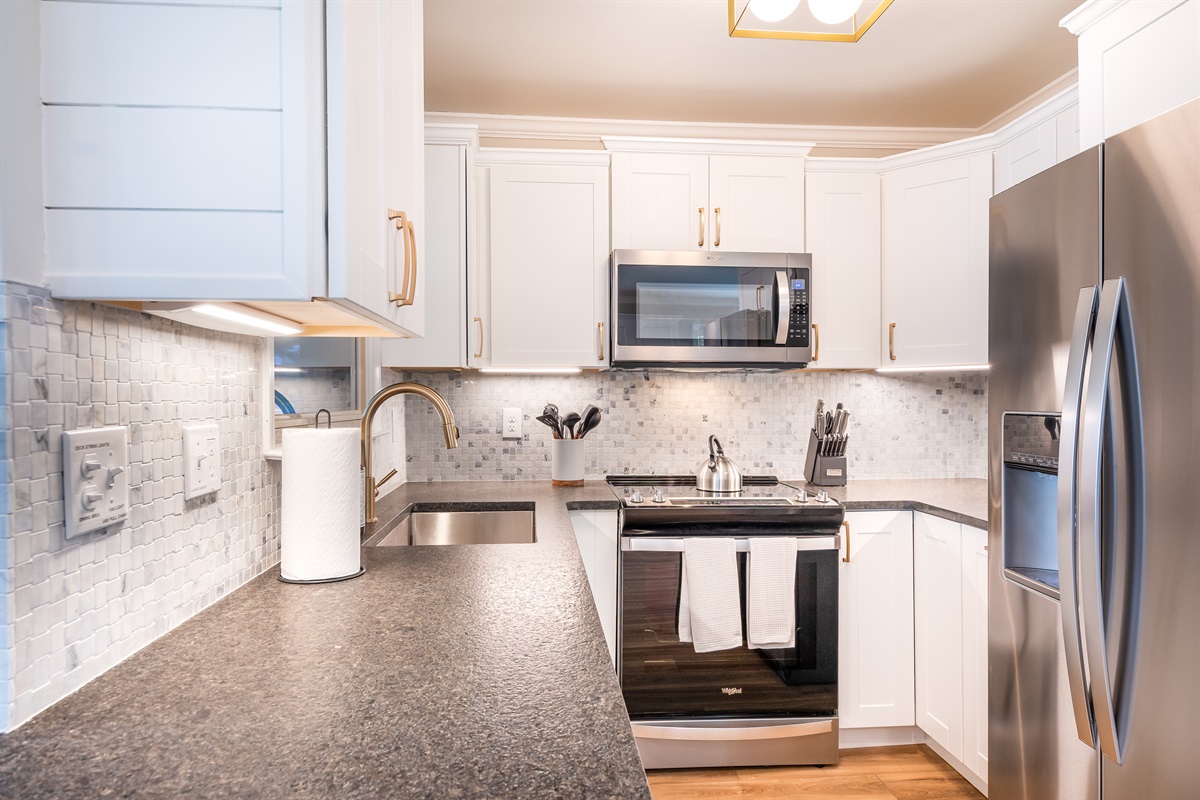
(502, 526)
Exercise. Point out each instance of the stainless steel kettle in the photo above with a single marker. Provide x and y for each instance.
(718, 473)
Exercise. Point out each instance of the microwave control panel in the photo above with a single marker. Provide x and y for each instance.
(798, 323)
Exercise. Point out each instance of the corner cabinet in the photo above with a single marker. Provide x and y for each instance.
(875, 631)
(538, 290)
(314, 110)
(706, 201)
(935, 262)
(842, 230)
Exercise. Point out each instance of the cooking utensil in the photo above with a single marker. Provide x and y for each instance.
(552, 423)
(591, 418)
(569, 422)
(718, 473)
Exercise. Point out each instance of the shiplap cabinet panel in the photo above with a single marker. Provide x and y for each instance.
(659, 201)
(875, 629)
(939, 630)
(842, 230)
(161, 55)
(177, 158)
(935, 262)
(757, 203)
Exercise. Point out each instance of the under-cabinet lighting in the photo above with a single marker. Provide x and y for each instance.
(532, 370)
(959, 368)
(288, 371)
(254, 319)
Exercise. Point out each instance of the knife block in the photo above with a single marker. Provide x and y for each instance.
(823, 470)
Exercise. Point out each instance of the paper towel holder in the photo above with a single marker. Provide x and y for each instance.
(328, 419)
(361, 570)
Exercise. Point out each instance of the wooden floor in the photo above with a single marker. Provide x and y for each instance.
(911, 772)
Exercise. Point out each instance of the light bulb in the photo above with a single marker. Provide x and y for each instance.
(833, 12)
(773, 10)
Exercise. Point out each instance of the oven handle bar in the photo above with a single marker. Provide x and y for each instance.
(675, 545)
(732, 734)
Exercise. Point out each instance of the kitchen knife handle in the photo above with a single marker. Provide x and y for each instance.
(892, 341)
(846, 525)
(717, 239)
(480, 353)
(816, 355)
(701, 242)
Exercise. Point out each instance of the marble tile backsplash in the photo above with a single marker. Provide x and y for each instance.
(71, 609)
(929, 425)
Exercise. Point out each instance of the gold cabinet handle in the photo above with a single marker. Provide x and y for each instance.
(816, 356)
(846, 525)
(480, 353)
(411, 293)
(717, 241)
(701, 242)
(600, 339)
(401, 220)
(892, 341)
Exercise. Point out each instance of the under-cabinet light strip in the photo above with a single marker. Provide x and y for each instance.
(531, 370)
(255, 319)
(959, 368)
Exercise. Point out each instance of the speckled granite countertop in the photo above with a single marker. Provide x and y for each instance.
(443, 672)
(962, 500)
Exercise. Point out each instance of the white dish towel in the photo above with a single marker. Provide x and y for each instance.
(771, 593)
(710, 610)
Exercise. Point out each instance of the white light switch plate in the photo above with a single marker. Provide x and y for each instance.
(512, 423)
(201, 459)
(95, 479)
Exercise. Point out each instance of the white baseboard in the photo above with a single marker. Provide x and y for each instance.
(976, 781)
(850, 738)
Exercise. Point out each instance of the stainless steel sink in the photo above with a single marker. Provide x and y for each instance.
(505, 526)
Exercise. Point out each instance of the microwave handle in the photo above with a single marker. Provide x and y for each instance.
(785, 307)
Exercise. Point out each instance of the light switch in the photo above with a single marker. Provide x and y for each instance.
(95, 479)
(201, 459)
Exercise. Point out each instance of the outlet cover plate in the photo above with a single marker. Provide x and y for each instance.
(512, 423)
(201, 459)
(95, 478)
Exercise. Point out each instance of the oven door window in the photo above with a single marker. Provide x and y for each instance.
(662, 677)
(696, 306)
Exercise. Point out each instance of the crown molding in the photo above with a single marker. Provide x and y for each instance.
(1089, 14)
(1053, 91)
(496, 156)
(441, 133)
(646, 144)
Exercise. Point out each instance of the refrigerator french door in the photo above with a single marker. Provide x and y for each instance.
(1094, 461)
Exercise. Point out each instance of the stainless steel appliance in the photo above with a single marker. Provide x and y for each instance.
(1094, 439)
(695, 309)
(736, 707)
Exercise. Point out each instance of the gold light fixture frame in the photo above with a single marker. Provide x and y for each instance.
(735, 20)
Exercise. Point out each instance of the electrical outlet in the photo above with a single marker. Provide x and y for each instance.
(512, 423)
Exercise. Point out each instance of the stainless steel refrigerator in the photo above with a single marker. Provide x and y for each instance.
(1094, 473)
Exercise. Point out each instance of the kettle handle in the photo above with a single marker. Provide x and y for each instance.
(714, 450)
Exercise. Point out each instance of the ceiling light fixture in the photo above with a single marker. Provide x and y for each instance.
(814, 20)
(249, 318)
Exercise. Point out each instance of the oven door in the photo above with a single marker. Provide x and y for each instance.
(663, 678)
(697, 309)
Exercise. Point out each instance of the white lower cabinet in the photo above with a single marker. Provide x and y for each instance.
(596, 535)
(950, 606)
(875, 630)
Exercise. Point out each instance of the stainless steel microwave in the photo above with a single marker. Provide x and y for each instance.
(699, 309)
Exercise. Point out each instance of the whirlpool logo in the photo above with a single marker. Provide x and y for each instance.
(732, 691)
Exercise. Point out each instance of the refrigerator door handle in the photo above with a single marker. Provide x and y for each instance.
(1113, 321)
(1068, 541)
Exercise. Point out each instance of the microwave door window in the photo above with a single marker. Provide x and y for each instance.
(696, 307)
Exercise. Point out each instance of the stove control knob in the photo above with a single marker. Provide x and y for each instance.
(822, 496)
(802, 497)
(658, 495)
(637, 496)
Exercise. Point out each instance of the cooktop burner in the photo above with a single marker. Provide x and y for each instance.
(657, 502)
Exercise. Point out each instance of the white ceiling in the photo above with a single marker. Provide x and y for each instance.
(925, 63)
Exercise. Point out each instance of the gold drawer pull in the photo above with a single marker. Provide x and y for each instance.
(717, 241)
(480, 353)
(892, 341)
(816, 342)
(701, 242)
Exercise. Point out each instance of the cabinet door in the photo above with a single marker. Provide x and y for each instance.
(939, 632)
(444, 270)
(757, 203)
(549, 265)
(372, 144)
(660, 201)
(875, 630)
(935, 263)
(842, 232)
(596, 535)
(975, 650)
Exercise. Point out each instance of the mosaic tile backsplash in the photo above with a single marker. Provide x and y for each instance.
(931, 425)
(71, 609)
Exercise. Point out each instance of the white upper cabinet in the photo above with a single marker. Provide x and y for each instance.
(542, 289)
(1037, 141)
(843, 227)
(695, 201)
(185, 156)
(935, 262)
(875, 631)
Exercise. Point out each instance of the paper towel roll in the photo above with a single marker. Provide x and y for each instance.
(320, 533)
